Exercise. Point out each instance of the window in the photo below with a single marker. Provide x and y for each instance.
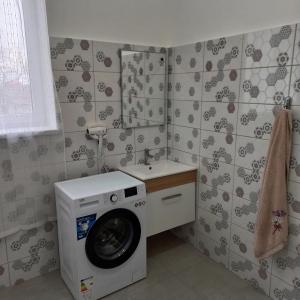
(27, 101)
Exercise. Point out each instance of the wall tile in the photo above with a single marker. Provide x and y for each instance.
(106, 56)
(115, 161)
(221, 86)
(186, 139)
(186, 86)
(218, 145)
(282, 291)
(3, 256)
(216, 174)
(109, 114)
(223, 53)
(258, 277)
(255, 120)
(295, 164)
(294, 199)
(187, 113)
(265, 85)
(74, 86)
(184, 157)
(219, 117)
(107, 86)
(271, 47)
(77, 116)
(79, 147)
(295, 85)
(119, 141)
(188, 58)
(297, 47)
(82, 168)
(71, 55)
(158, 154)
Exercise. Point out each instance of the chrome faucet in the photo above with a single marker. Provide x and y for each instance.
(147, 155)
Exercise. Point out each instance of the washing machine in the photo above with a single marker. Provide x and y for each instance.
(101, 230)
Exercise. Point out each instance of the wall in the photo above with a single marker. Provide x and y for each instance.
(222, 100)
(165, 23)
(87, 78)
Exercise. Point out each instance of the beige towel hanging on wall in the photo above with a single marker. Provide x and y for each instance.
(271, 231)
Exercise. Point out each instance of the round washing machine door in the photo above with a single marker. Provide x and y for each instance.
(113, 238)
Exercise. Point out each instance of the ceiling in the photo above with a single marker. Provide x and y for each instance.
(166, 22)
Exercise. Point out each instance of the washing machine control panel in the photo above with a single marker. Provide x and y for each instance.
(113, 198)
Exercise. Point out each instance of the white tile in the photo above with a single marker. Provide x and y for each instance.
(186, 139)
(107, 86)
(187, 113)
(109, 114)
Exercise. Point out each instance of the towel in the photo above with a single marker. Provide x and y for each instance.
(271, 229)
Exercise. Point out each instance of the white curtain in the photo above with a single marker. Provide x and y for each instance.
(31, 135)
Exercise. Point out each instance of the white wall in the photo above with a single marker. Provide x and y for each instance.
(166, 22)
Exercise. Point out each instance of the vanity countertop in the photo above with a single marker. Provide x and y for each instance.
(156, 169)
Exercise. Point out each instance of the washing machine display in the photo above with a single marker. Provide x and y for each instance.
(113, 238)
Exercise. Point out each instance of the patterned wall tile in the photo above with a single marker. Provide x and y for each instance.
(184, 157)
(186, 86)
(106, 56)
(188, 58)
(213, 226)
(218, 251)
(242, 243)
(4, 276)
(280, 290)
(74, 86)
(218, 145)
(294, 199)
(223, 53)
(107, 86)
(255, 120)
(216, 174)
(119, 141)
(71, 55)
(155, 63)
(297, 47)
(219, 117)
(109, 114)
(294, 234)
(77, 116)
(155, 110)
(244, 212)
(155, 86)
(221, 86)
(295, 85)
(265, 85)
(270, 47)
(214, 200)
(286, 266)
(112, 162)
(246, 182)
(256, 275)
(153, 137)
(79, 147)
(81, 168)
(295, 164)
(187, 113)
(250, 152)
(186, 139)
(158, 154)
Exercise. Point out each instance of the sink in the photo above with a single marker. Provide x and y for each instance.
(156, 169)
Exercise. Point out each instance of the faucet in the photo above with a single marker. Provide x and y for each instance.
(147, 155)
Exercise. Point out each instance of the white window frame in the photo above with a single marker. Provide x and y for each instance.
(43, 115)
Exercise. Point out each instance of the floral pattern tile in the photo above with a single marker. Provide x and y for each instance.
(77, 116)
(4, 276)
(271, 47)
(221, 86)
(188, 58)
(265, 85)
(223, 53)
(219, 117)
(69, 54)
(295, 164)
(281, 290)
(186, 139)
(297, 47)
(112, 162)
(184, 157)
(74, 86)
(107, 86)
(109, 114)
(187, 113)
(295, 85)
(293, 199)
(158, 154)
(3, 256)
(81, 168)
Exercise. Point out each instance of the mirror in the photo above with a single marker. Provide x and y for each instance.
(144, 88)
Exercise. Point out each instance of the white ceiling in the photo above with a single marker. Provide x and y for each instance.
(166, 22)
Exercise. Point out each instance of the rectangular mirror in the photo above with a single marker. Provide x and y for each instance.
(144, 88)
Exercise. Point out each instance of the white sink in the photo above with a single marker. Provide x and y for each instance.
(156, 169)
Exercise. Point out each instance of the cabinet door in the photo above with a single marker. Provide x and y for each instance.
(170, 208)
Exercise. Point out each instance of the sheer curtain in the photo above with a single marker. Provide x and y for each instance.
(31, 134)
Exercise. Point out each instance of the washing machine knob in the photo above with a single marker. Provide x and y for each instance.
(113, 198)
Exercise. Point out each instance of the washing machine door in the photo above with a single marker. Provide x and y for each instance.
(113, 238)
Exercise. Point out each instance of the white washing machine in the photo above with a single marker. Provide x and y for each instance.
(102, 236)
